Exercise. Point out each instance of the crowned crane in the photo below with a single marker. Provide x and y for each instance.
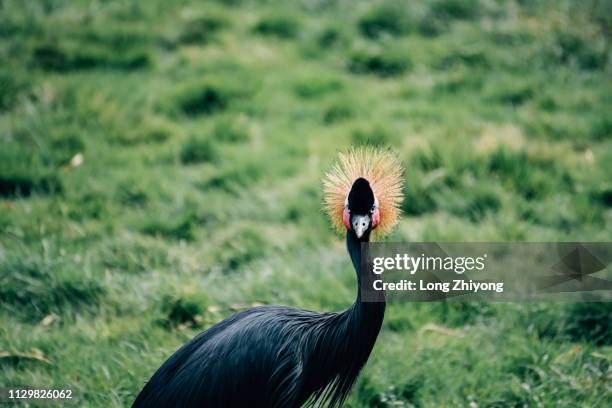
(278, 356)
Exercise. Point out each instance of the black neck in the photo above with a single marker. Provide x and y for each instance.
(375, 310)
(344, 342)
(353, 245)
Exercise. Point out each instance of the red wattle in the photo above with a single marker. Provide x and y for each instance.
(375, 218)
(346, 218)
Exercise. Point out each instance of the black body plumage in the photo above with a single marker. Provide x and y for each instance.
(271, 356)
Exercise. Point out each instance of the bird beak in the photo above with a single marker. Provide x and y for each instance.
(360, 224)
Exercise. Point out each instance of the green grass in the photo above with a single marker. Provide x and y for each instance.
(161, 165)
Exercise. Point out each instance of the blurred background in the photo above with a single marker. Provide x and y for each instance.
(161, 165)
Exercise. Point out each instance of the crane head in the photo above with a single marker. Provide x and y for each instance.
(363, 191)
(361, 213)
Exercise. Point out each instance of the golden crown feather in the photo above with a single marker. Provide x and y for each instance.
(383, 171)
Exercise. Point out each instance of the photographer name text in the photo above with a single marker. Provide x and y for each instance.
(432, 264)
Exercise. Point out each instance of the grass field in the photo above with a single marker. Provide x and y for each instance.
(161, 165)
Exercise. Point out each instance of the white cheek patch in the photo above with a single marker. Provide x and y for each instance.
(361, 223)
